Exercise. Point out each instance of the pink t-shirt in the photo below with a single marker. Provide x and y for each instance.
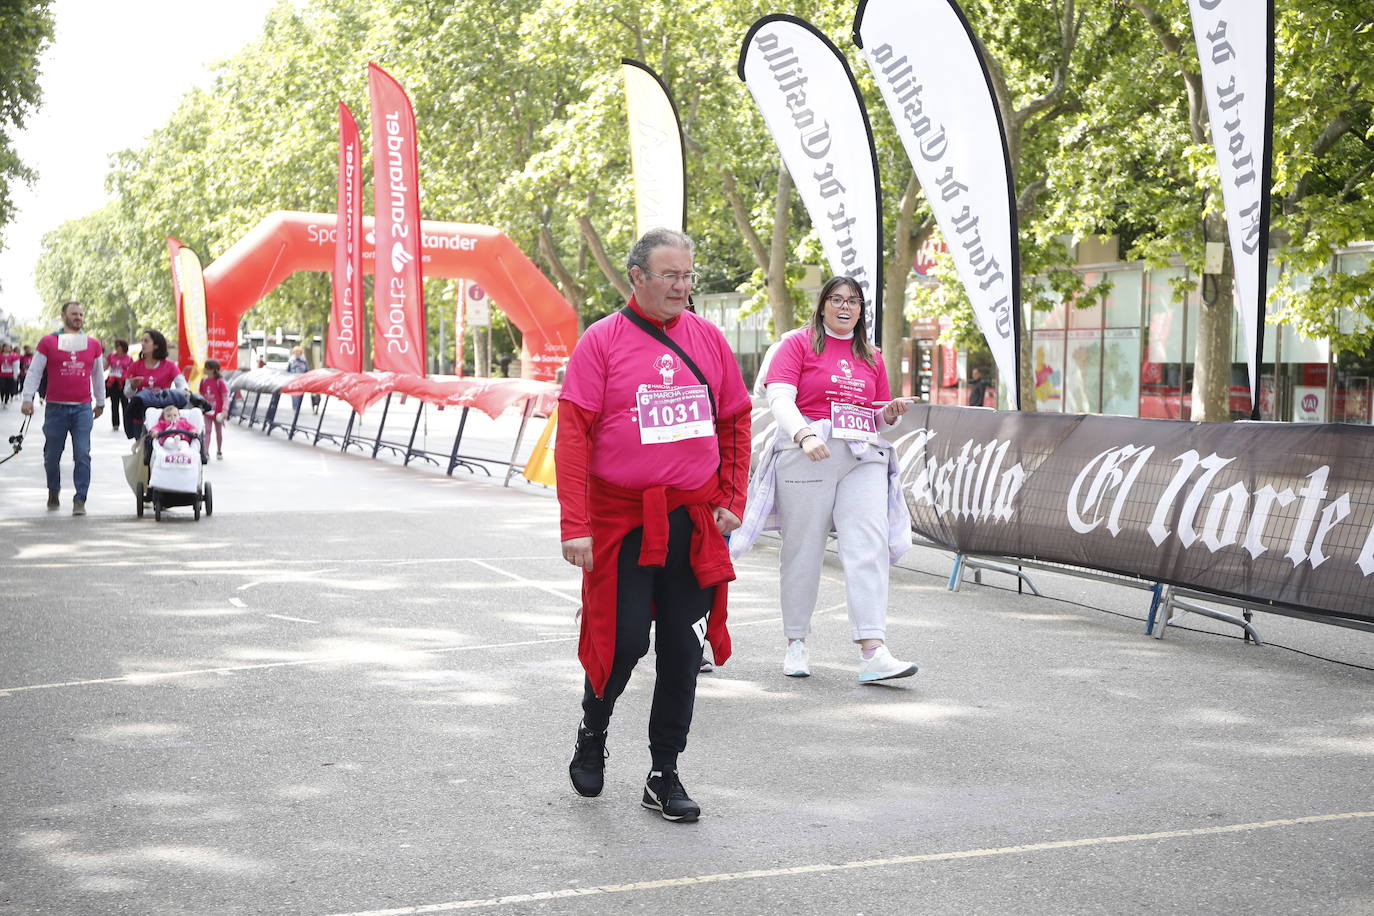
(613, 361)
(69, 374)
(216, 392)
(119, 364)
(161, 376)
(834, 374)
(9, 365)
(180, 424)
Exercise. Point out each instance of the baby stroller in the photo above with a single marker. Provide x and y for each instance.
(168, 470)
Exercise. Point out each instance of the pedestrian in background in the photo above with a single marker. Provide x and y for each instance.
(214, 390)
(118, 363)
(148, 376)
(653, 457)
(9, 374)
(297, 365)
(74, 368)
(977, 388)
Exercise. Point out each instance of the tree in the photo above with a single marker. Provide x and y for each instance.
(27, 28)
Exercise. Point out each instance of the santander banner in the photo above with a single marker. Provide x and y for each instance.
(344, 349)
(808, 98)
(398, 294)
(1235, 48)
(188, 291)
(926, 62)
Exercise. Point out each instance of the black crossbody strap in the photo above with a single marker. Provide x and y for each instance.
(654, 331)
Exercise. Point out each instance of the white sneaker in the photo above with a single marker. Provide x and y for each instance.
(797, 661)
(883, 667)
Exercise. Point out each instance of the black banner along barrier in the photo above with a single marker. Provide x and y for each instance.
(1278, 514)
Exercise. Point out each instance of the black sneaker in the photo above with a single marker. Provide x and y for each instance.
(53, 502)
(664, 793)
(588, 768)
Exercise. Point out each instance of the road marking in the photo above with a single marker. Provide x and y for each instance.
(724, 877)
(237, 602)
(292, 619)
(530, 582)
(153, 677)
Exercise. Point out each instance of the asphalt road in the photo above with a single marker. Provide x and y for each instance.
(354, 689)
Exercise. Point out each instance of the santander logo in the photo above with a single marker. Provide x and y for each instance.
(400, 257)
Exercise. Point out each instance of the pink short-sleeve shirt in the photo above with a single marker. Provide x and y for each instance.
(613, 361)
(161, 376)
(834, 374)
(69, 374)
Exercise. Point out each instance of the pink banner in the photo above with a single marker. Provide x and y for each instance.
(398, 294)
(492, 396)
(343, 349)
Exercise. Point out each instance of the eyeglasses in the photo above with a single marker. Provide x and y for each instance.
(838, 300)
(689, 277)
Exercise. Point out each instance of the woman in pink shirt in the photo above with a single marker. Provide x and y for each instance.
(9, 373)
(827, 387)
(154, 372)
(118, 364)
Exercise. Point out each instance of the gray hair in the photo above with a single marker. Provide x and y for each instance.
(651, 240)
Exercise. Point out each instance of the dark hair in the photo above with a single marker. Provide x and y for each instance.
(65, 304)
(654, 239)
(212, 365)
(862, 348)
(121, 344)
(159, 344)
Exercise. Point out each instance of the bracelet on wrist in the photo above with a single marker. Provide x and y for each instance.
(807, 436)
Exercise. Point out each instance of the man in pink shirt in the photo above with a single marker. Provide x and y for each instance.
(653, 464)
(74, 366)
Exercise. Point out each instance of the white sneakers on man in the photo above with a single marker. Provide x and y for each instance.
(797, 661)
(883, 667)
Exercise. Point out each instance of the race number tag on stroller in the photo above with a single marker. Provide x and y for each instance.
(674, 414)
(852, 421)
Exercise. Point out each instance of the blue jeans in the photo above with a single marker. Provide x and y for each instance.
(58, 421)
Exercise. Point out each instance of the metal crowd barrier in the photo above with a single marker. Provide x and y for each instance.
(355, 437)
(1168, 603)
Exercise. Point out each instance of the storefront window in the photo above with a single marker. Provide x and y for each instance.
(1161, 373)
(1047, 358)
(1123, 302)
(1083, 372)
(1090, 317)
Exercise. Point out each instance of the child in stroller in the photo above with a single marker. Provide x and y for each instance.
(173, 455)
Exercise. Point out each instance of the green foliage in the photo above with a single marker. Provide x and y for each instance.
(26, 27)
(522, 126)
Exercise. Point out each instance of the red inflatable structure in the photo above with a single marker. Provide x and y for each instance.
(286, 241)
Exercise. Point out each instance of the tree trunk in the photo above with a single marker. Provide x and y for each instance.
(481, 352)
(1027, 381)
(609, 270)
(779, 297)
(1212, 353)
(895, 275)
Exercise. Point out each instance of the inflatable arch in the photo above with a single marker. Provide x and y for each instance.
(286, 241)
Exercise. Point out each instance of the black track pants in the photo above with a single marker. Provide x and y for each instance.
(669, 597)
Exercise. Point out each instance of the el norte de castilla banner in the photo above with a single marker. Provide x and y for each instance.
(808, 97)
(926, 62)
(1235, 49)
(1274, 513)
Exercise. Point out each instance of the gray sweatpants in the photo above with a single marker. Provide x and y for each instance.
(851, 494)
